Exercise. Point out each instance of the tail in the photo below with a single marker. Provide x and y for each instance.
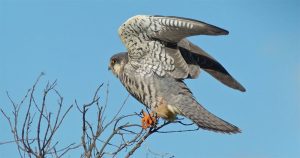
(204, 119)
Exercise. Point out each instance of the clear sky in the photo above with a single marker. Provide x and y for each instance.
(72, 41)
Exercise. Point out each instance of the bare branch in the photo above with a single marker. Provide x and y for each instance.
(39, 145)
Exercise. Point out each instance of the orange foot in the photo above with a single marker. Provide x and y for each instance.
(148, 120)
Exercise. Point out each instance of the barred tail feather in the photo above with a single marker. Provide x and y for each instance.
(206, 120)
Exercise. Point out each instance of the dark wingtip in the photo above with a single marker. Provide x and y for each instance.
(239, 87)
(218, 30)
(215, 30)
(242, 89)
(225, 32)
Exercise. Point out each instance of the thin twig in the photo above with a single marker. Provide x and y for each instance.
(41, 145)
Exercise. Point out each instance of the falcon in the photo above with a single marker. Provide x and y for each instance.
(159, 58)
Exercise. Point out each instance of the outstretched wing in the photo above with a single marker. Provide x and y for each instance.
(197, 58)
(152, 42)
(166, 28)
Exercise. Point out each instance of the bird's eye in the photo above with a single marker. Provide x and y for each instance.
(113, 61)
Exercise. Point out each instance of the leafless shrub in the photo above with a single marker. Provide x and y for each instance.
(112, 135)
(44, 123)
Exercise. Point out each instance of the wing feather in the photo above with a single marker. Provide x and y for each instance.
(157, 44)
(173, 29)
(166, 28)
(194, 55)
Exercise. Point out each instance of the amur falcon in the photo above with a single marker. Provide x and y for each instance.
(159, 58)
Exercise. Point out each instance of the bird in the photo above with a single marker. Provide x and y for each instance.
(159, 58)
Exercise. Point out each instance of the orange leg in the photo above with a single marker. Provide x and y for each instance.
(148, 120)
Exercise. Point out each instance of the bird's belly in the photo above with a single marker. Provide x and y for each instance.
(139, 88)
(148, 93)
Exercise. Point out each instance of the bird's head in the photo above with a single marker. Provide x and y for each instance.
(117, 63)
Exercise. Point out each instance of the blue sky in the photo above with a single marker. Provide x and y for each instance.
(72, 41)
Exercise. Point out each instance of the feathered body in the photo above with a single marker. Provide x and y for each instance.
(159, 58)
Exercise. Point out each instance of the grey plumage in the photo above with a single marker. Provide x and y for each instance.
(160, 57)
